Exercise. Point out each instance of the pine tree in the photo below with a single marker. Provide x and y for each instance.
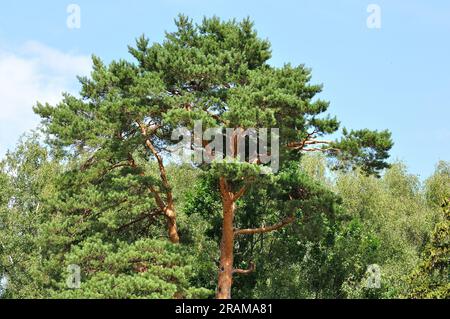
(216, 72)
(112, 131)
(46, 231)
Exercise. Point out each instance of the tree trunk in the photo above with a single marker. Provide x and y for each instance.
(172, 225)
(226, 250)
(169, 210)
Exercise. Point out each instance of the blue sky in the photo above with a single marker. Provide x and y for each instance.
(396, 77)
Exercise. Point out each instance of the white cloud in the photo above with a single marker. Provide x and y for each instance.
(34, 72)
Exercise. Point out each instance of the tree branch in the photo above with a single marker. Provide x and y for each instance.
(162, 169)
(242, 191)
(324, 149)
(251, 269)
(152, 190)
(266, 229)
(224, 188)
(216, 117)
(140, 218)
(309, 140)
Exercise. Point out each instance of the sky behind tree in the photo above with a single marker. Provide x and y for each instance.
(395, 77)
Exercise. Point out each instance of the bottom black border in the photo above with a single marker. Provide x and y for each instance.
(219, 309)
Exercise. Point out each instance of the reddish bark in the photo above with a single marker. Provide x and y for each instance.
(225, 279)
(226, 270)
(172, 224)
(167, 206)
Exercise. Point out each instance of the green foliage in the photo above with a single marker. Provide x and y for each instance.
(383, 221)
(28, 175)
(146, 268)
(438, 185)
(44, 227)
(324, 255)
(431, 279)
(303, 260)
(366, 149)
(393, 208)
(217, 72)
